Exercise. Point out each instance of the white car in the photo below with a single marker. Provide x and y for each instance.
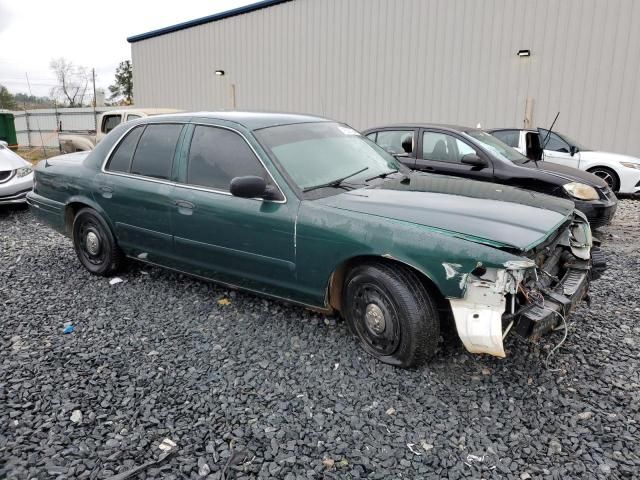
(621, 172)
(16, 177)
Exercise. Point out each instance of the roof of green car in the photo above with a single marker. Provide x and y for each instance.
(251, 120)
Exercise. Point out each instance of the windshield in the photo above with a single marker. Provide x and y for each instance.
(318, 153)
(495, 146)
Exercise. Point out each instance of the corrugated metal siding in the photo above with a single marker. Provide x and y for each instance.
(369, 62)
(42, 124)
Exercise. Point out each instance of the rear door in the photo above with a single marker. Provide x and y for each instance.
(440, 151)
(135, 188)
(241, 241)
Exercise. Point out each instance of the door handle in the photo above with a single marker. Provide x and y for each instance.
(427, 169)
(184, 207)
(184, 204)
(106, 190)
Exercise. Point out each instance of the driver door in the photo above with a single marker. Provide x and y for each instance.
(247, 242)
(556, 150)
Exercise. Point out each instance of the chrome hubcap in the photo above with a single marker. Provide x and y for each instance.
(374, 318)
(93, 243)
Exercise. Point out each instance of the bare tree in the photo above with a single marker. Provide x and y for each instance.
(73, 81)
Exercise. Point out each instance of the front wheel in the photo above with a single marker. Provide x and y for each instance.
(94, 243)
(391, 313)
(608, 176)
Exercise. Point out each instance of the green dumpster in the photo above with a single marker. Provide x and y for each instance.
(8, 130)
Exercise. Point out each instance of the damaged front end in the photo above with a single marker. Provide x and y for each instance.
(531, 296)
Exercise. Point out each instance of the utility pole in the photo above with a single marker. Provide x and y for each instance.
(95, 116)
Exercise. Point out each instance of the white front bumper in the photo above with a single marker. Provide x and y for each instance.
(629, 181)
(15, 190)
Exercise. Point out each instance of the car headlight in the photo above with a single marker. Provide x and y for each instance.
(581, 191)
(631, 165)
(23, 171)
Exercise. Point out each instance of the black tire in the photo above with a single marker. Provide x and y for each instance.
(103, 258)
(608, 176)
(407, 333)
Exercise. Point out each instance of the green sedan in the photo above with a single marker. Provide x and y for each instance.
(307, 210)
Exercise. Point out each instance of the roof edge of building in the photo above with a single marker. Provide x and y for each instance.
(203, 20)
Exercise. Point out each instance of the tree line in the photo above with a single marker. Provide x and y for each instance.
(73, 88)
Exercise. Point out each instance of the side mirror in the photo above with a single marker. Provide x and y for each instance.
(248, 187)
(573, 150)
(474, 160)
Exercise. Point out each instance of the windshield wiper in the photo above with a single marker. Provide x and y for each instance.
(381, 175)
(335, 183)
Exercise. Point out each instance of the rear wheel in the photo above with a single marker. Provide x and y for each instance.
(94, 243)
(608, 176)
(391, 313)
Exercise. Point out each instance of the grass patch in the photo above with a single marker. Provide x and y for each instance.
(35, 154)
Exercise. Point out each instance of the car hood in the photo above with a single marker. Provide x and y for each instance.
(487, 213)
(613, 157)
(10, 160)
(567, 173)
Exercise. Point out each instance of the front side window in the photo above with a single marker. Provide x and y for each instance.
(314, 154)
(559, 143)
(395, 141)
(218, 155)
(133, 116)
(441, 147)
(121, 158)
(553, 141)
(156, 148)
(510, 137)
(109, 122)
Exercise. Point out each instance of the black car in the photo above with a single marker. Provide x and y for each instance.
(474, 153)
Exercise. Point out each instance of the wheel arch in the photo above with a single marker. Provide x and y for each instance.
(336, 279)
(605, 166)
(75, 204)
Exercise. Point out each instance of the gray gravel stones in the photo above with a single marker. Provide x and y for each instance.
(257, 388)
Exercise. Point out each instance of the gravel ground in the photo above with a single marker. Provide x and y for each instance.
(247, 387)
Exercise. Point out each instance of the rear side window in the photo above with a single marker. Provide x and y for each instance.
(393, 140)
(109, 122)
(121, 158)
(218, 155)
(510, 137)
(156, 148)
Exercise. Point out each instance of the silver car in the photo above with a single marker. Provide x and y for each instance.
(16, 177)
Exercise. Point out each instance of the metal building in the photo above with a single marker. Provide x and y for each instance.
(369, 62)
